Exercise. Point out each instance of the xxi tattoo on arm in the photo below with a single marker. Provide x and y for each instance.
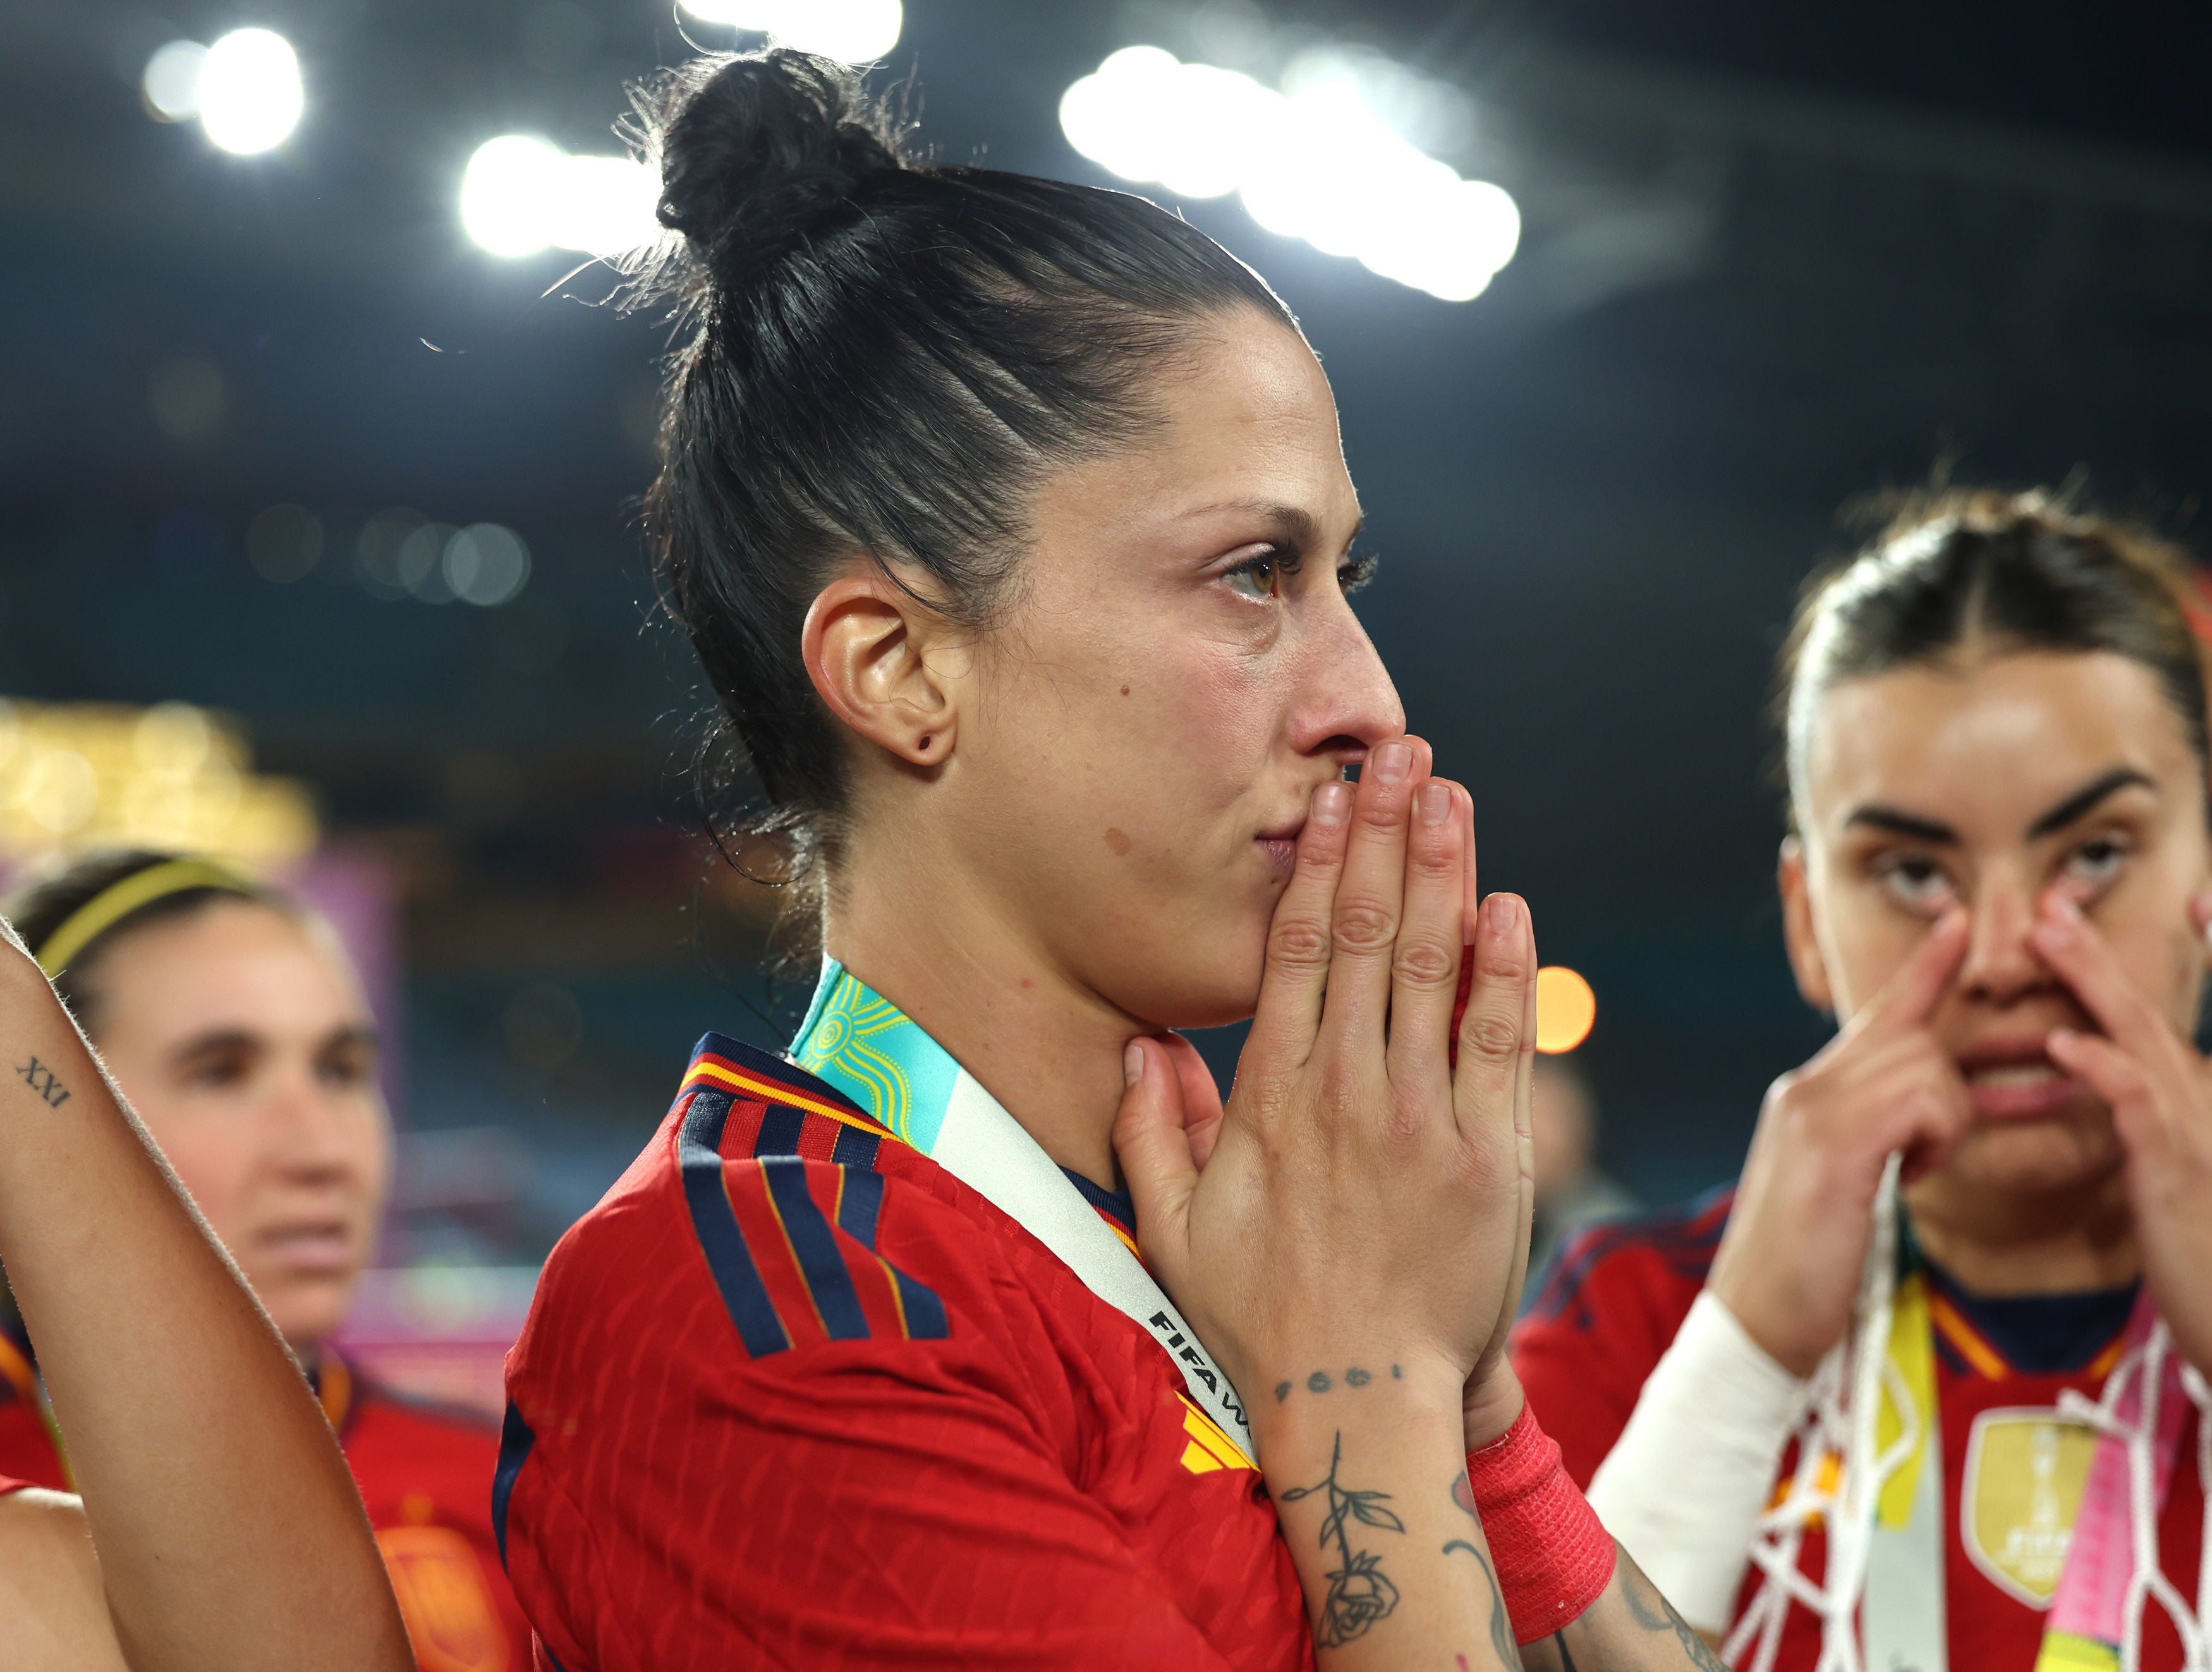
(40, 1078)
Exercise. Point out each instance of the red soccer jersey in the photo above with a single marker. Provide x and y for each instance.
(793, 1395)
(1619, 1293)
(425, 1475)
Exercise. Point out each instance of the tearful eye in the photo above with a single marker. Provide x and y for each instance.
(1916, 882)
(1255, 577)
(2096, 862)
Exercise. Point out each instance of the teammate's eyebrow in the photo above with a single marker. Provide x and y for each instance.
(215, 1040)
(1903, 823)
(2119, 778)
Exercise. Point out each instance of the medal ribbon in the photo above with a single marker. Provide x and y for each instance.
(2100, 1591)
(863, 1044)
(1903, 1624)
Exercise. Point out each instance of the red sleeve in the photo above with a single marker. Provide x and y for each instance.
(1615, 1297)
(682, 1489)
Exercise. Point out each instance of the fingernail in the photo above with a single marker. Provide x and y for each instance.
(1503, 913)
(1133, 1063)
(1391, 762)
(1434, 802)
(1331, 803)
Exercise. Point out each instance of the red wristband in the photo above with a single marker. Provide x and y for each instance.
(1553, 1558)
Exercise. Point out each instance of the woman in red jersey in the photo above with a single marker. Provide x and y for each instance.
(1933, 1378)
(217, 1527)
(1010, 521)
(233, 1021)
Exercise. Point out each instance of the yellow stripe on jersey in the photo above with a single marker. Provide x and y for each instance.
(1210, 1447)
(1966, 1341)
(713, 1070)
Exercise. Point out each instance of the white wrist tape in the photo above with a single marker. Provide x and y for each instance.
(1683, 1487)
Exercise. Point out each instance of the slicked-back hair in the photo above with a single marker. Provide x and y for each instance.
(886, 360)
(1966, 571)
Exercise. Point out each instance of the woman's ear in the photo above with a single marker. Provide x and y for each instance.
(1797, 932)
(867, 643)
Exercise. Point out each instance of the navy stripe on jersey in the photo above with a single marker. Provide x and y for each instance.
(816, 1246)
(515, 1440)
(781, 1126)
(861, 1203)
(863, 1200)
(1115, 1204)
(924, 1312)
(856, 1148)
(715, 1224)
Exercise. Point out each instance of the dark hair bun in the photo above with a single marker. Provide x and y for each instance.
(760, 151)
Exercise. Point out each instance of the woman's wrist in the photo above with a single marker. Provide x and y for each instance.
(1492, 1404)
(1553, 1556)
(1301, 1402)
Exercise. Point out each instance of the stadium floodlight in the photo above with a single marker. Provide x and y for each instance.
(248, 91)
(1322, 162)
(853, 30)
(521, 194)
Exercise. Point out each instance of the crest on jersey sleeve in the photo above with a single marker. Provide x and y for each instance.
(2022, 1490)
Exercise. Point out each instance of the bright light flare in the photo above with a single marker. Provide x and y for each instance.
(172, 83)
(851, 31)
(1565, 1009)
(249, 91)
(521, 194)
(1320, 164)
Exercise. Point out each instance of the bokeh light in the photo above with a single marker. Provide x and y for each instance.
(172, 82)
(486, 564)
(1322, 162)
(521, 194)
(249, 91)
(853, 30)
(1565, 1009)
(75, 775)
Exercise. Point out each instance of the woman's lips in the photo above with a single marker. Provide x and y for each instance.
(2020, 1087)
(1281, 845)
(310, 1250)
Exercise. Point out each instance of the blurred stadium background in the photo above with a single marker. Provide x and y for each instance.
(319, 452)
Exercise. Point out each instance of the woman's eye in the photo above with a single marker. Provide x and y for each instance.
(1916, 882)
(344, 1076)
(1255, 578)
(2096, 862)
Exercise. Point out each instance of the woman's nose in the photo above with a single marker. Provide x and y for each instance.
(1354, 704)
(2000, 963)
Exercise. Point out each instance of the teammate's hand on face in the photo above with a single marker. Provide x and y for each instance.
(1361, 1206)
(1789, 1263)
(2160, 1093)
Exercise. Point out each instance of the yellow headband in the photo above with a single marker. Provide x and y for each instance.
(117, 901)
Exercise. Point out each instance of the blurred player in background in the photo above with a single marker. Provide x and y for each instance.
(231, 1018)
(1571, 1189)
(218, 1530)
(1932, 1384)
